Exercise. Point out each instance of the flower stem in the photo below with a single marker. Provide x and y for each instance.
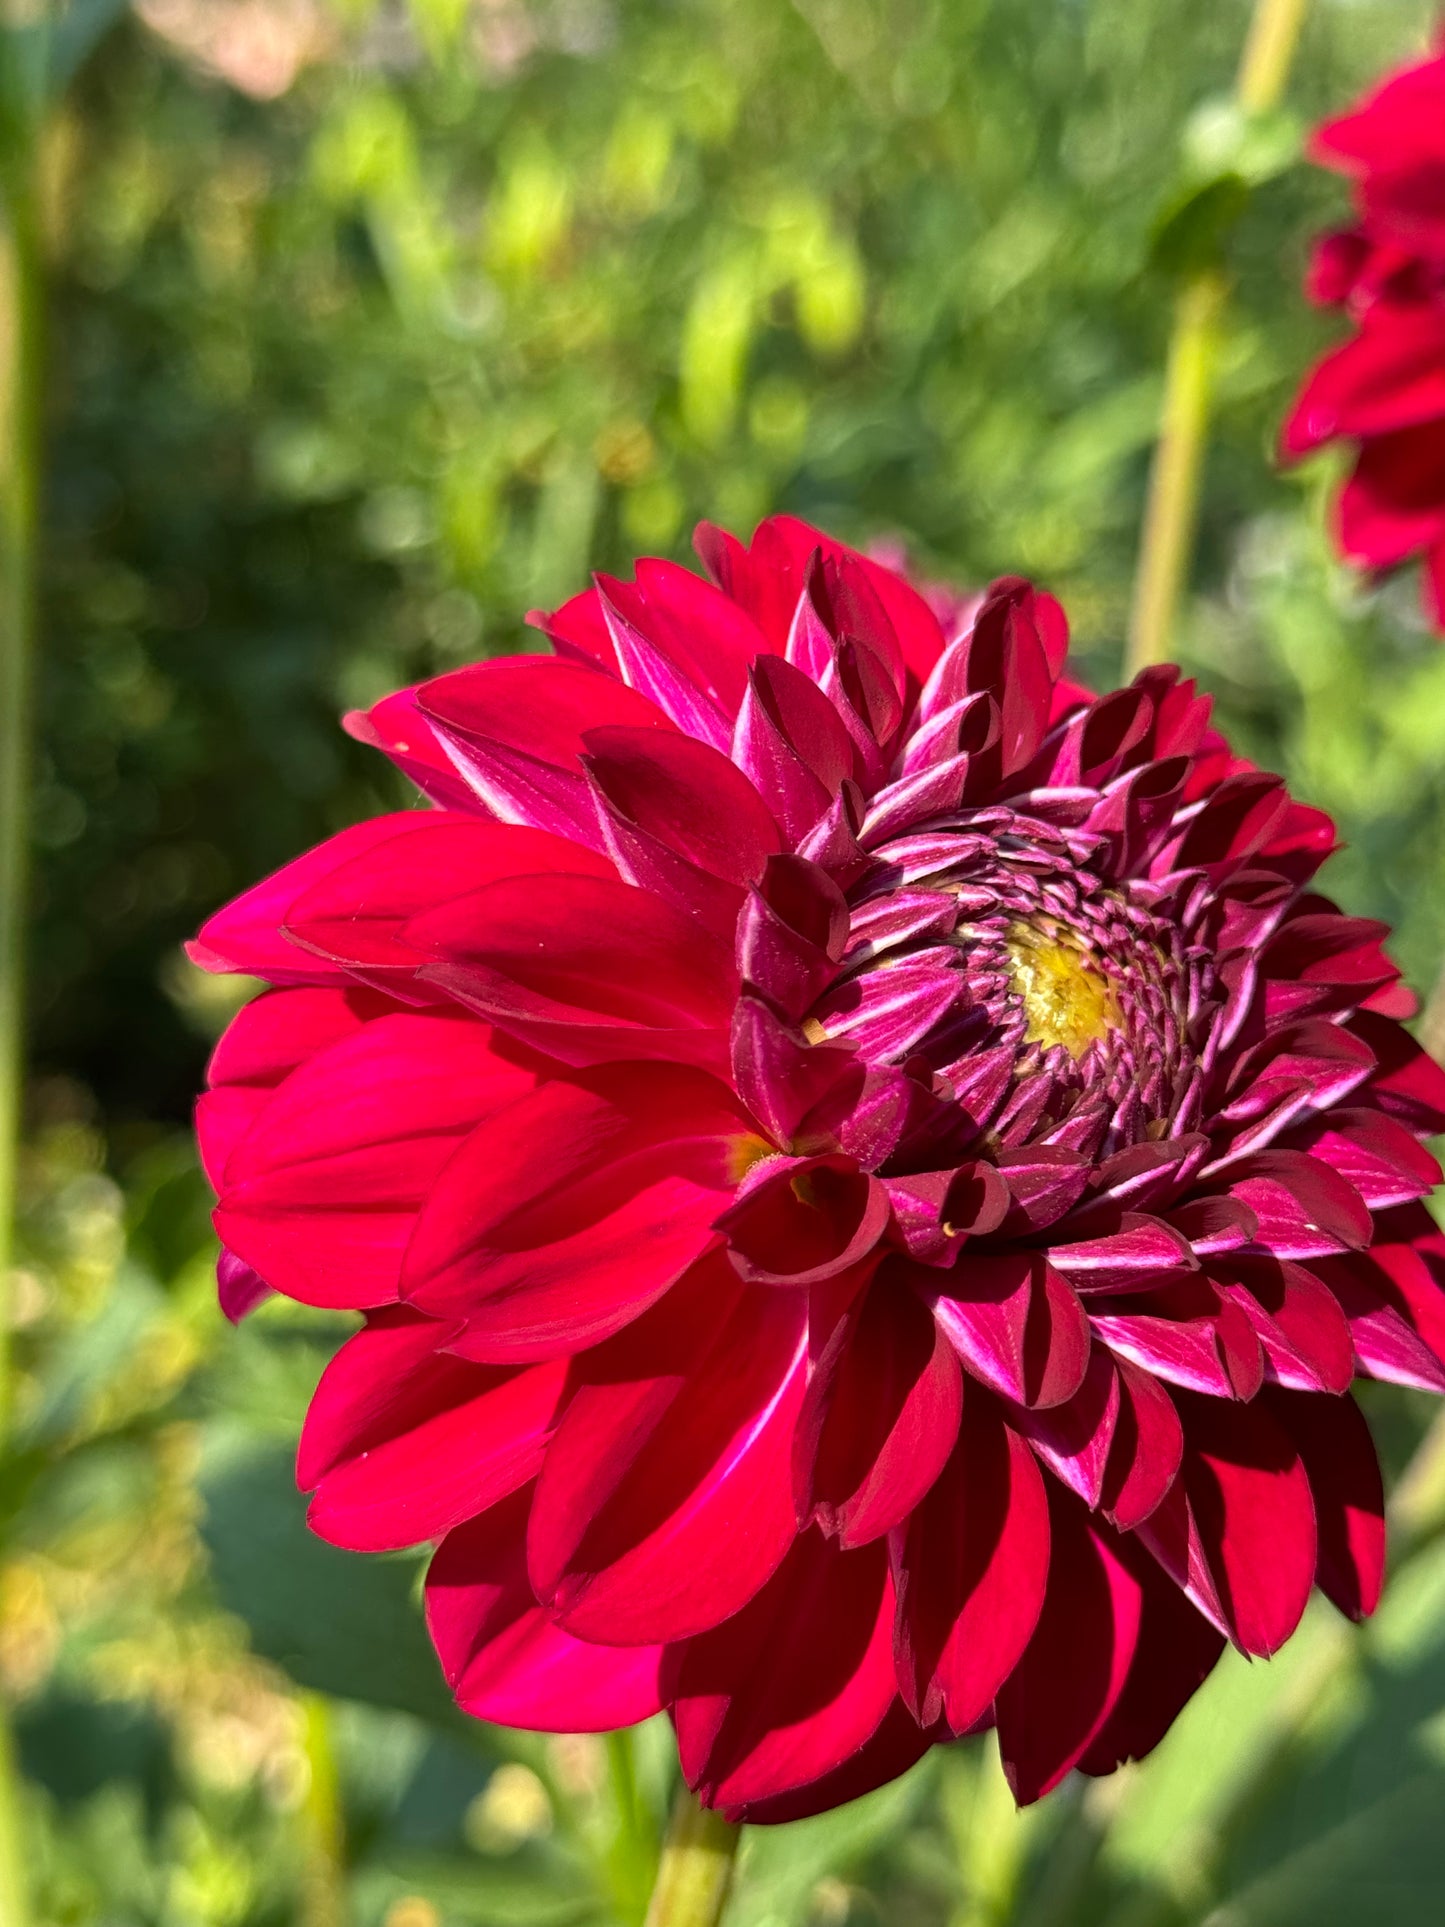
(20, 317)
(1171, 512)
(1172, 508)
(696, 1870)
(322, 1822)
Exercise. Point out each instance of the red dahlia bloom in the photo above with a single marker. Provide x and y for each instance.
(867, 1171)
(1384, 388)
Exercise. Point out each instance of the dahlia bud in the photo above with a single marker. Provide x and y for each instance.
(867, 1172)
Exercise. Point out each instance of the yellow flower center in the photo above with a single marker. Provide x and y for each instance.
(1066, 999)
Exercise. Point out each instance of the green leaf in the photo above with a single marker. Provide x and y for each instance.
(338, 1622)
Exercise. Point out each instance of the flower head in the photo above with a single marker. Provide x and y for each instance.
(1384, 388)
(868, 1173)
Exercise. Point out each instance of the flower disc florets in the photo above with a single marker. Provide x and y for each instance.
(867, 1171)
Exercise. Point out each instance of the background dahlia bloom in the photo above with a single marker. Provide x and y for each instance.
(1384, 388)
(868, 1173)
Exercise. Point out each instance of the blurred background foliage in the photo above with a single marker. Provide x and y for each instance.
(373, 325)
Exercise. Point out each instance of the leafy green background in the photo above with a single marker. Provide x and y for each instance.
(372, 326)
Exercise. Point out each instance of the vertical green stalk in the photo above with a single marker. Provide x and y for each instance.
(696, 1870)
(20, 349)
(1171, 512)
(322, 1822)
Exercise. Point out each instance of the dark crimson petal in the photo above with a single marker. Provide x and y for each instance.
(792, 746)
(1408, 1084)
(665, 1500)
(806, 1219)
(1056, 1702)
(1238, 1531)
(1396, 1313)
(513, 729)
(504, 1658)
(1176, 1652)
(685, 796)
(323, 1192)
(1142, 1251)
(1305, 1209)
(880, 1417)
(1189, 1334)
(1385, 1162)
(589, 970)
(970, 1567)
(898, 1744)
(1016, 1323)
(782, 1076)
(238, 1289)
(654, 673)
(401, 1443)
(1074, 1439)
(792, 933)
(795, 1684)
(561, 1218)
(1297, 1319)
(935, 1211)
(1146, 1451)
(1349, 1498)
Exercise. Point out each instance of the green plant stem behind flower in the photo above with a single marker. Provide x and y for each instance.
(1171, 512)
(696, 1870)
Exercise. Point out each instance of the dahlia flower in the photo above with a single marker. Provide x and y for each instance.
(1384, 388)
(867, 1173)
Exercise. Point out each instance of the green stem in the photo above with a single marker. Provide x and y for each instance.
(1172, 510)
(322, 1822)
(20, 349)
(696, 1870)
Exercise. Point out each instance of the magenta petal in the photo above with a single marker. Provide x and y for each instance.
(357, 913)
(970, 1567)
(513, 730)
(587, 969)
(806, 1220)
(238, 1289)
(665, 1501)
(1349, 1500)
(1146, 1451)
(247, 935)
(563, 1217)
(1059, 1697)
(398, 729)
(898, 1744)
(1239, 1534)
(793, 1686)
(1177, 1650)
(323, 1192)
(1015, 1322)
(401, 1442)
(504, 1658)
(1074, 1439)
(880, 1417)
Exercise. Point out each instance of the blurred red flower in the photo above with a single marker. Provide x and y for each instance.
(1384, 388)
(867, 1171)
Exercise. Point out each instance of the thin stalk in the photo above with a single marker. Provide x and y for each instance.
(322, 1822)
(20, 352)
(696, 1870)
(1172, 511)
